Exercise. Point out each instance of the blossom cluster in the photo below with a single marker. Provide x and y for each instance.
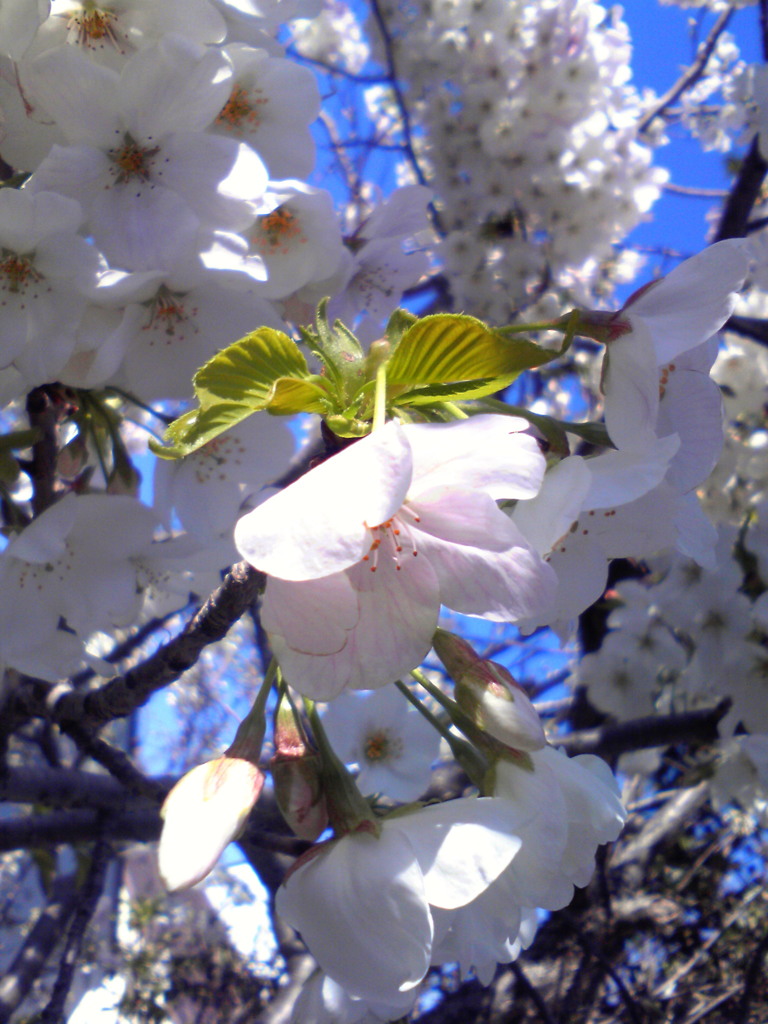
(156, 209)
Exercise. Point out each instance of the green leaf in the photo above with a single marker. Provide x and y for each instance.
(400, 321)
(447, 348)
(450, 392)
(290, 395)
(264, 370)
(198, 426)
(246, 371)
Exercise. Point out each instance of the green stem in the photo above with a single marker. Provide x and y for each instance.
(456, 411)
(250, 733)
(470, 759)
(380, 397)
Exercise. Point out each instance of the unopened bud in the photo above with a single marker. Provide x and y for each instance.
(490, 696)
(299, 793)
(205, 810)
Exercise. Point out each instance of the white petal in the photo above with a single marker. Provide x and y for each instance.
(694, 301)
(486, 452)
(509, 585)
(462, 846)
(318, 525)
(460, 517)
(361, 909)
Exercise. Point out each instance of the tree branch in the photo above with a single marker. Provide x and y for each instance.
(691, 75)
(119, 697)
(46, 932)
(743, 195)
(609, 740)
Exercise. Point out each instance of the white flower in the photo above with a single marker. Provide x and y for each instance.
(70, 572)
(272, 103)
(567, 808)
(144, 131)
(44, 268)
(362, 551)
(387, 738)
(363, 904)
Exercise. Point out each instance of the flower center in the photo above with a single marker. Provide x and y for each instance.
(239, 108)
(168, 313)
(18, 271)
(380, 746)
(393, 533)
(93, 27)
(275, 231)
(132, 161)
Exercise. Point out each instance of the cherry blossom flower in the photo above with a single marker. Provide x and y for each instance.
(388, 739)
(362, 551)
(364, 904)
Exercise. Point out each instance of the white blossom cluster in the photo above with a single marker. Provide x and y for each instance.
(162, 149)
(159, 211)
(525, 118)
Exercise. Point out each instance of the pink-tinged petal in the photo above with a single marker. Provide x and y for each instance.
(640, 527)
(631, 386)
(361, 909)
(460, 517)
(692, 408)
(323, 649)
(485, 452)
(504, 585)
(319, 525)
(462, 846)
(693, 302)
(313, 616)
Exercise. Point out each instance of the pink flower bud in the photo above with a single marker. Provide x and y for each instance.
(204, 811)
(299, 793)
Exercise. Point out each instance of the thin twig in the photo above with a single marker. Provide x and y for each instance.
(691, 74)
(88, 897)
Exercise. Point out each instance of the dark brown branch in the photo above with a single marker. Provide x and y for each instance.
(750, 327)
(126, 693)
(79, 826)
(28, 962)
(117, 763)
(609, 740)
(743, 196)
(43, 416)
(60, 787)
(88, 896)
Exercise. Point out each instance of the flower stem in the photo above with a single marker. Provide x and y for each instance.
(473, 763)
(380, 397)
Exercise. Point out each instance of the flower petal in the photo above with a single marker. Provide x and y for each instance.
(317, 526)
(361, 909)
(487, 453)
(462, 846)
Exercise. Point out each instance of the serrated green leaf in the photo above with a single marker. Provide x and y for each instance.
(400, 321)
(246, 371)
(197, 427)
(290, 395)
(450, 347)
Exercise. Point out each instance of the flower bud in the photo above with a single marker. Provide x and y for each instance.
(490, 696)
(299, 794)
(297, 776)
(204, 811)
